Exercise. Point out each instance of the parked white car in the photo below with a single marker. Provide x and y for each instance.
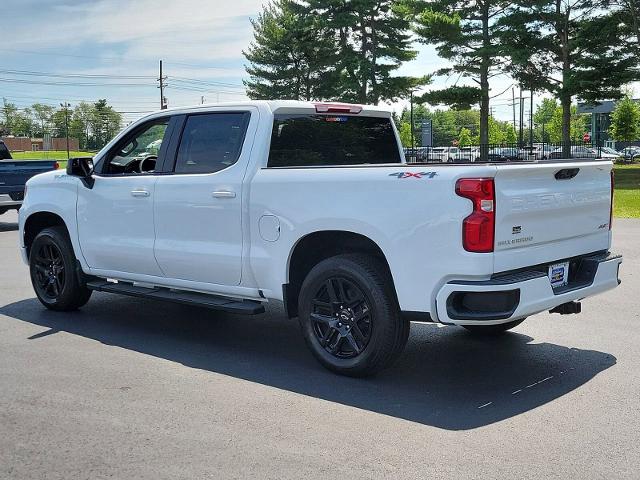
(537, 151)
(577, 151)
(610, 154)
(465, 154)
(312, 205)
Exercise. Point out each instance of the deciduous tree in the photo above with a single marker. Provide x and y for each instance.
(577, 126)
(42, 116)
(543, 116)
(625, 120)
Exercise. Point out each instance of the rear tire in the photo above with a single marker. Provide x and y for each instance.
(350, 317)
(492, 330)
(52, 265)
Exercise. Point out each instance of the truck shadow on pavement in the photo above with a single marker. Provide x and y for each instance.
(446, 378)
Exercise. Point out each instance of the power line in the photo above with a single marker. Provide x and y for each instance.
(11, 96)
(73, 84)
(202, 90)
(76, 75)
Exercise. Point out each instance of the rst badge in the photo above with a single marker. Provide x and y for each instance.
(418, 175)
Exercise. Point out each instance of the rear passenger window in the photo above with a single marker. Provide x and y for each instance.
(211, 142)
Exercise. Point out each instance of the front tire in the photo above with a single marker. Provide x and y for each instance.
(350, 317)
(52, 266)
(492, 330)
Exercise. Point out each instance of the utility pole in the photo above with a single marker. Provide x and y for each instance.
(161, 79)
(413, 143)
(531, 119)
(66, 106)
(513, 103)
(520, 133)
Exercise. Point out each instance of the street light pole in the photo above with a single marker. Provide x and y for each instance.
(66, 106)
(531, 119)
(413, 143)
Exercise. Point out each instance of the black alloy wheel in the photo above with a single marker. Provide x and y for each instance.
(342, 318)
(52, 265)
(49, 269)
(349, 315)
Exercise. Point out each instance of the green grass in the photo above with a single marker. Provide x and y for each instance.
(626, 202)
(50, 155)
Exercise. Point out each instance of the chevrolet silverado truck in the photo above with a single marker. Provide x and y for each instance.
(13, 176)
(313, 205)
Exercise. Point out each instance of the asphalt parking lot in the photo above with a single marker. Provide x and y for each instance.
(128, 388)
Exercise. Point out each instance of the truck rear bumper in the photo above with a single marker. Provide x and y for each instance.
(511, 296)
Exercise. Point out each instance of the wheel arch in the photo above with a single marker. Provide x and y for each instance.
(38, 221)
(316, 246)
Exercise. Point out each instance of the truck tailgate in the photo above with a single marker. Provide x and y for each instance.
(16, 172)
(548, 212)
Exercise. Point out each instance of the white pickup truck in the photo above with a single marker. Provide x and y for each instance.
(233, 206)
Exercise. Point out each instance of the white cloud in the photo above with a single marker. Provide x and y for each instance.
(190, 29)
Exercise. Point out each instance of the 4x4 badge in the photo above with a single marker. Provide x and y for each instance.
(413, 174)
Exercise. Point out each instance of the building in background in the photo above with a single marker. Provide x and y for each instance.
(600, 120)
(26, 144)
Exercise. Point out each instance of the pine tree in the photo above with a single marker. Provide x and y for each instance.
(568, 49)
(625, 120)
(629, 16)
(464, 33)
(373, 41)
(292, 55)
(105, 123)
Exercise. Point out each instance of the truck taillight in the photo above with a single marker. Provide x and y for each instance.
(611, 206)
(56, 166)
(478, 229)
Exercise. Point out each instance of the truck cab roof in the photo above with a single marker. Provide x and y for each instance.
(286, 106)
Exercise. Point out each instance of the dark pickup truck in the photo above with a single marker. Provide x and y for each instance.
(13, 176)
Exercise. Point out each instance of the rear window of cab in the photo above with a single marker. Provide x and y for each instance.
(300, 140)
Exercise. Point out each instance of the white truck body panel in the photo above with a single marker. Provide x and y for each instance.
(183, 235)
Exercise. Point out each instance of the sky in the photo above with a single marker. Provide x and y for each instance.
(116, 45)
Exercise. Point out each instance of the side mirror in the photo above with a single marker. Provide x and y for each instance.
(81, 167)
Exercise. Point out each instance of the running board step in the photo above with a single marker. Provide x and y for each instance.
(224, 304)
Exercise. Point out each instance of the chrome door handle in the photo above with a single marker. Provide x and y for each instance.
(140, 193)
(224, 194)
